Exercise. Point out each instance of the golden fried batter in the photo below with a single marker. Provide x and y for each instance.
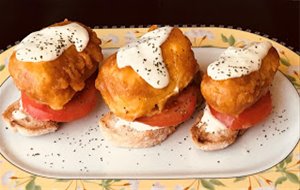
(129, 96)
(233, 96)
(55, 82)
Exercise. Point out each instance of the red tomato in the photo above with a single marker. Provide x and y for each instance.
(249, 117)
(176, 111)
(81, 104)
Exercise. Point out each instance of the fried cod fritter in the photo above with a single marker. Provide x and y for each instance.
(128, 96)
(54, 83)
(232, 96)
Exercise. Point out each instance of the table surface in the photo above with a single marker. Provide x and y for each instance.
(278, 19)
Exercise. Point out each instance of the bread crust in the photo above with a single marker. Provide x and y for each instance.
(232, 96)
(54, 83)
(27, 126)
(212, 141)
(130, 97)
(125, 136)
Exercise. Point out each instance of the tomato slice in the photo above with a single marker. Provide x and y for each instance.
(177, 110)
(249, 117)
(81, 104)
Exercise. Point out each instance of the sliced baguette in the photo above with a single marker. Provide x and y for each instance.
(27, 126)
(212, 141)
(126, 136)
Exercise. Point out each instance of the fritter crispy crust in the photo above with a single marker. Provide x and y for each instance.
(129, 96)
(233, 96)
(55, 82)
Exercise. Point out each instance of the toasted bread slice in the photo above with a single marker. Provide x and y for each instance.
(212, 141)
(27, 126)
(126, 136)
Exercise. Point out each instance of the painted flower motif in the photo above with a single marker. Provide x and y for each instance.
(293, 69)
(110, 39)
(130, 37)
(244, 41)
(158, 186)
(293, 73)
(265, 182)
(6, 60)
(79, 188)
(266, 188)
(134, 184)
(178, 187)
(6, 177)
(199, 33)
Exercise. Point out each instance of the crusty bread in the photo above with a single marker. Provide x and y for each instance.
(212, 141)
(27, 126)
(125, 136)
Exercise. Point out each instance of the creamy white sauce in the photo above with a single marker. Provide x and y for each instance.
(135, 125)
(145, 57)
(211, 124)
(236, 62)
(49, 43)
(19, 114)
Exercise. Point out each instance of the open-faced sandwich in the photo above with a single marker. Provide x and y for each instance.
(148, 87)
(236, 90)
(53, 68)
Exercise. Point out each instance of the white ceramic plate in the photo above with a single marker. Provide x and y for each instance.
(78, 149)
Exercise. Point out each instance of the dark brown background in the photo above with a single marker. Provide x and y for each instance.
(278, 19)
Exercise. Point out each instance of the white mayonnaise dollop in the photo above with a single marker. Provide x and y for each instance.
(211, 124)
(135, 125)
(19, 114)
